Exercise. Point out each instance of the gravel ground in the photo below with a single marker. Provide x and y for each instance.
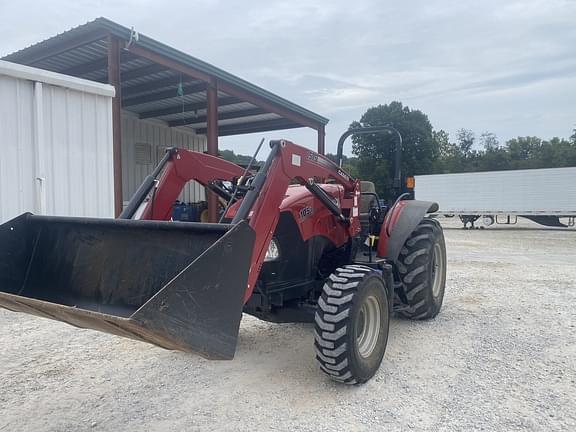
(500, 356)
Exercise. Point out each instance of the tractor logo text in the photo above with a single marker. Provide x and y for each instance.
(305, 212)
(343, 175)
(313, 157)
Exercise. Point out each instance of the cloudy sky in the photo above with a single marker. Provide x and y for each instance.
(508, 67)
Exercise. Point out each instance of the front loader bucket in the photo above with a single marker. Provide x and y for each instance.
(177, 285)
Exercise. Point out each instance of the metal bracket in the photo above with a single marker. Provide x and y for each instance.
(134, 37)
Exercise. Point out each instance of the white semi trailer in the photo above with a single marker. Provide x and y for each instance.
(545, 196)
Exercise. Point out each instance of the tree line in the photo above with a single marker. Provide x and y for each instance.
(486, 153)
(426, 150)
(430, 151)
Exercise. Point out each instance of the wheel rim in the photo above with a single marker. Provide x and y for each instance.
(437, 266)
(368, 326)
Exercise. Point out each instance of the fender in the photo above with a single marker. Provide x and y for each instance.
(400, 221)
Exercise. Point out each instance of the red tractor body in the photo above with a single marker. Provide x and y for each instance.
(298, 241)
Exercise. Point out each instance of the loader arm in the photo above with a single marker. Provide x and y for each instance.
(286, 163)
(155, 198)
(176, 285)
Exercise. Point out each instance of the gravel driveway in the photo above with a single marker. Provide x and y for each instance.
(500, 356)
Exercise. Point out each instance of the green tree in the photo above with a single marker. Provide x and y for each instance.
(524, 152)
(559, 153)
(450, 158)
(489, 141)
(494, 157)
(442, 142)
(465, 139)
(350, 164)
(239, 159)
(375, 152)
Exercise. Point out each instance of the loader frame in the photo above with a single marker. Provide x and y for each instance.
(287, 162)
(188, 292)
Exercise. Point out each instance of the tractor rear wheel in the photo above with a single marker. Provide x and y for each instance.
(352, 321)
(422, 268)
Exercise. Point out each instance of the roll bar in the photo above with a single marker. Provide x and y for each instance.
(371, 130)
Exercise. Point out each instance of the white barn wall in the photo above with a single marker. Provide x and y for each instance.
(159, 136)
(55, 144)
(16, 147)
(80, 155)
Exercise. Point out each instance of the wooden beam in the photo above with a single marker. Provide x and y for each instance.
(259, 101)
(168, 63)
(252, 127)
(177, 109)
(166, 94)
(114, 79)
(212, 142)
(221, 116)
(321, 140)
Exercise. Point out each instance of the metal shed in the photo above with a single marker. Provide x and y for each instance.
(56, 143)
(162, 93)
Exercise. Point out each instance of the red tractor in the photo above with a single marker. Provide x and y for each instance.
(299, 241)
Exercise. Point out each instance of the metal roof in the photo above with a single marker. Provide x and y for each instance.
(150, 89)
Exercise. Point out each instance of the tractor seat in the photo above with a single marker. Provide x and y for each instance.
(366, 202)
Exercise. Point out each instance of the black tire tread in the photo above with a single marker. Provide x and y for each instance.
(413, 263)
(331, 326)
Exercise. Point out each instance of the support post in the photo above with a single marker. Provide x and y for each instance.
(39, 150)
(114, 80)
(321, 139)
(212, 138)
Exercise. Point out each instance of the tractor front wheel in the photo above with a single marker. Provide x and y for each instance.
(352, 321)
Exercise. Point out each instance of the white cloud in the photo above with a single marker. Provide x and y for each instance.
(338, 99)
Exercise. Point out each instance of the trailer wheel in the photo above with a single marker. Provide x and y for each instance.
(422, 268)
(352, 321)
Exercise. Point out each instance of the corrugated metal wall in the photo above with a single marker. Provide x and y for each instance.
(16, 147)
(143, 145)
(79, 156)
(55, 146)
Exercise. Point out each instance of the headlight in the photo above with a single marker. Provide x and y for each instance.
(273, 252)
